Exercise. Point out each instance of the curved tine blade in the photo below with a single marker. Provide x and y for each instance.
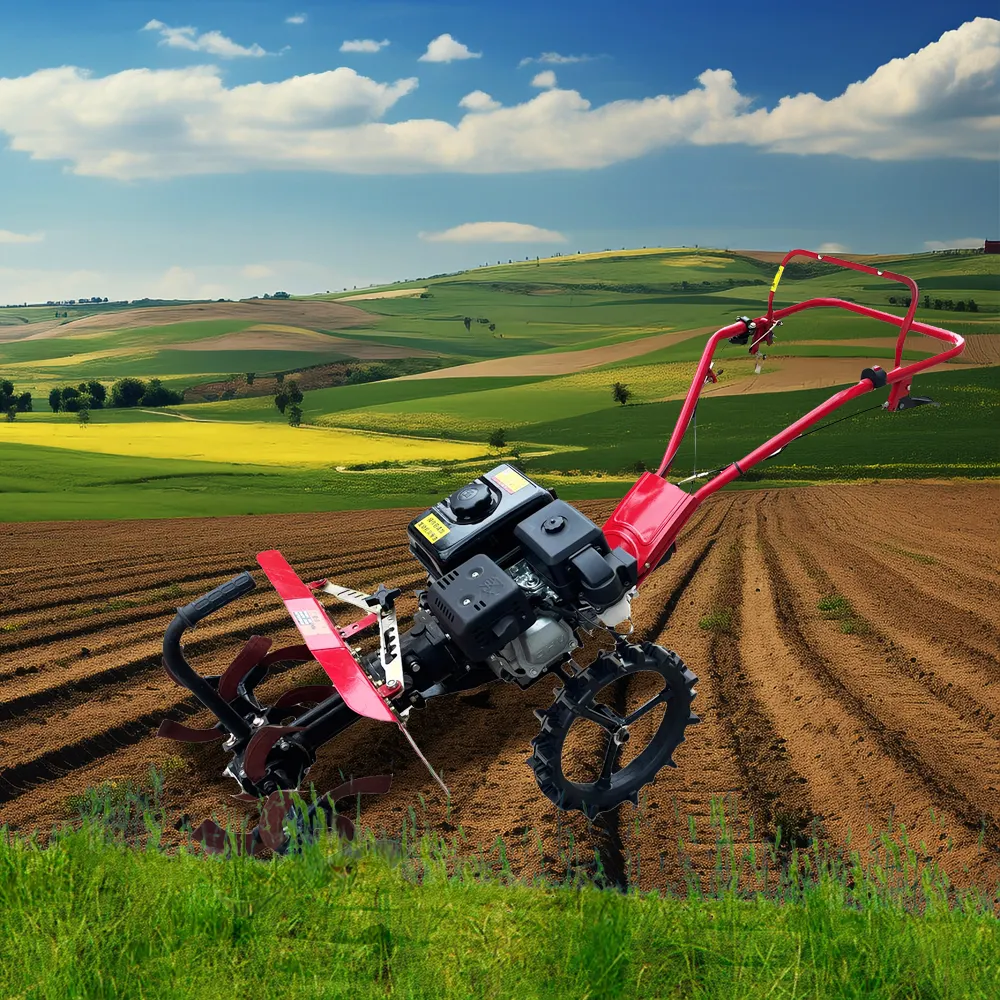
(245, 797)
(171, 730)
(246, 659)
(211, 836)
(345, 827)
(272, 819)
(371, 785)
(298, 653)
(260, 746)
(309, 695)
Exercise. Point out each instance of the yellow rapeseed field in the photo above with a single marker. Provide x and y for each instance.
(243, 444)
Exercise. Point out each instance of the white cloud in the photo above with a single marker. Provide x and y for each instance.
(445, 49)
(943, 101)
(968, 243)
(6, 236)
(831, 248)
(296, 19)
(545, 80)
(495, 232)
(364, 45)
(257, 271)
(212, 42)
(554, 59)
(479, 100)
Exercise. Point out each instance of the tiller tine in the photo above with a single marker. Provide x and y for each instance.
(214, 839)
(247, 658)
(255, 758)
(171, 730)
(311, 694)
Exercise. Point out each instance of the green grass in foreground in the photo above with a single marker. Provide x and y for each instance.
(88, 916)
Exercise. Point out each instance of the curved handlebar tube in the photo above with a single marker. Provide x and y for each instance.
(652, 513)
(182, 671)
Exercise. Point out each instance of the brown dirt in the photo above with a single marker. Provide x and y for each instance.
(274, 337)
(805, 726)
(982, 349)
(785, 374)
(313, 314)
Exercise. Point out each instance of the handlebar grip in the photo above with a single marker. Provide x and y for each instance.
(224, 594)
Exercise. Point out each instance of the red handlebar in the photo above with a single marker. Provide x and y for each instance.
(650, 516)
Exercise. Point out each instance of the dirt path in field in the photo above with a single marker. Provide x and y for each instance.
(398, 293)
(810, 723)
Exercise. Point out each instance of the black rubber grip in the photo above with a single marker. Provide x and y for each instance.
(224, 594)
(876, 376)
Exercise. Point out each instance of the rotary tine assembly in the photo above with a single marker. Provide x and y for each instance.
(273, 746)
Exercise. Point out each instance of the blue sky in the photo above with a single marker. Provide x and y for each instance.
(230, 148)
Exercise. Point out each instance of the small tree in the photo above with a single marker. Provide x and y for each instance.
(960, 306)
(250, 377)
(294, 392)
(621, 393)
(493, 327)
(281, 401)
(927, 302)
(468, 322)
(279, 378)
(98, 393)
(294, 415)
(497, 438)
(55, 400)
(127, 392)
(83, 416)
(973, 306)
(938, 304)
(11, 414)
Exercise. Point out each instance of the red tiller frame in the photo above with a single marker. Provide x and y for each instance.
(652, 513)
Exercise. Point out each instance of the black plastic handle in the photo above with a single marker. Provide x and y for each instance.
(211, 602)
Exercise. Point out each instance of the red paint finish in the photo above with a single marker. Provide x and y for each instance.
(653, 512)
(648, 519)
(324, 639)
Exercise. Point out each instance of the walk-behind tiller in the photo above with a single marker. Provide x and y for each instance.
(516, 579)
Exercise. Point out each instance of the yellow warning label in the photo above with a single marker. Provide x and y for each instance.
(432, 528)
(777, 278)
(510, 480)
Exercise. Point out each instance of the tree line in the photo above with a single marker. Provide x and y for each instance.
(126, 392)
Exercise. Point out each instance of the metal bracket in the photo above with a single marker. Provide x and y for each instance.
(381, 603)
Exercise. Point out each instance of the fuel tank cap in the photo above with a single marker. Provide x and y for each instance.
(472, 503)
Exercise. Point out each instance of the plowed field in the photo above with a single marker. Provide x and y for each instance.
(845, 637)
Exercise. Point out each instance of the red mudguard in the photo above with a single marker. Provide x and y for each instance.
(324, 639)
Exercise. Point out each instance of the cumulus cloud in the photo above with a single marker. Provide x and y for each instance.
(545, 80)
(495, 232)
(831, 248)
(943, 101)
(479, 100)
(554, 59)
(6, 236)
(296, 19)
(212, 42)
(364, 45)
(445, 49)
(967, 244)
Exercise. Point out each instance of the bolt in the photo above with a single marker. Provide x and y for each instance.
(466, 601)
(475, 573)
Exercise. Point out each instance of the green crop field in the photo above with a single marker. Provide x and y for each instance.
(560, 423)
